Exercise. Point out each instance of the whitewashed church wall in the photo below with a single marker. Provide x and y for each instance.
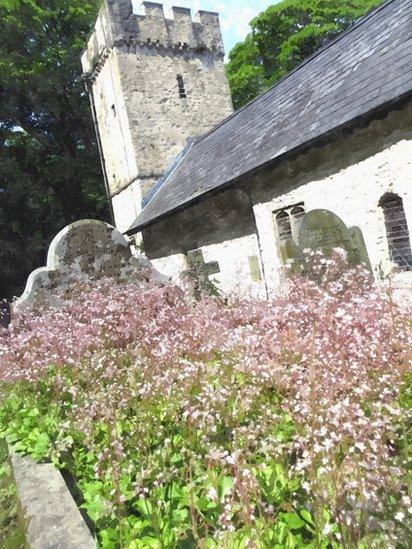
(348, 177)
(126, 206)
(223, 229)
(171, 266)
(240, 267)
(239, 263)
(269, 253)
(352, 192)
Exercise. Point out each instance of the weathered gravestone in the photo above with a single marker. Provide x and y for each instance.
(85, 250)
(322, 230)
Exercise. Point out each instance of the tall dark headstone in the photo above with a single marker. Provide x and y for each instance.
(5, 316)
(323, 230)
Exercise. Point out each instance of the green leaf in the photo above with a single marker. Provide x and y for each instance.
(307, 517)
(292, 520)
(41, 447)
(282, 37)
(144, 507)
(226, 486)
(94, 501)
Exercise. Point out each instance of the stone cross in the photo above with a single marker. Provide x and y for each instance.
(200, 271)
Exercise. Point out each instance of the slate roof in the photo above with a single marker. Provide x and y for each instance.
(363, 69)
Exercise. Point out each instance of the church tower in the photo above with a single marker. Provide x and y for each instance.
(154, 84)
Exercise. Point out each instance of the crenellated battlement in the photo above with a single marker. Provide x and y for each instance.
(117, 25)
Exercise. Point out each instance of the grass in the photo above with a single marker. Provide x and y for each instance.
(12, 529)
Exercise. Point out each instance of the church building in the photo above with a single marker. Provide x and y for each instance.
(324, 156)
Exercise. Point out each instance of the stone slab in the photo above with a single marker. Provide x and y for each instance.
(54, 520)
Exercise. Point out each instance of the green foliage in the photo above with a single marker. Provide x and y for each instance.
(202, 424)
(163, 517)
(282, 37)
(49, 166)
(29, 430)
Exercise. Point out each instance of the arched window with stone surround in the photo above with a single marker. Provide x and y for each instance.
(397, 231)
(283, 224)
(297, 214)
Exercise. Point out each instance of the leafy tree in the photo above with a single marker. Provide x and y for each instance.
(282, 37)
(50, 172)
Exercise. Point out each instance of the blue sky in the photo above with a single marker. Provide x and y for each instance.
(234, 14)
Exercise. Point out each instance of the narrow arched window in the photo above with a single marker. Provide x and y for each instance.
(297, 214)
(283, 225)
(397, 231)
(181, 85)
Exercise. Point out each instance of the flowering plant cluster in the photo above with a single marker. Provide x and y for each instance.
(222, 423)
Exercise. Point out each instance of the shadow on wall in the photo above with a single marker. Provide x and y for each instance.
(222, 217)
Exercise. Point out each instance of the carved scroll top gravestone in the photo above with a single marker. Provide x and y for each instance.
(88, 250)
(89, 247)
(323, 230)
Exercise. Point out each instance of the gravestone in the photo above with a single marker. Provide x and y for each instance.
(85, 250)
(322, 230)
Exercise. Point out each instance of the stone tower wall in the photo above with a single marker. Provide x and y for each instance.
(132, 63)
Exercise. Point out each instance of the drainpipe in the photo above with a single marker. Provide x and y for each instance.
(89, 89)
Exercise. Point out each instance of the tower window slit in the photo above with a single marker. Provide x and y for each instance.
(181, 85)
